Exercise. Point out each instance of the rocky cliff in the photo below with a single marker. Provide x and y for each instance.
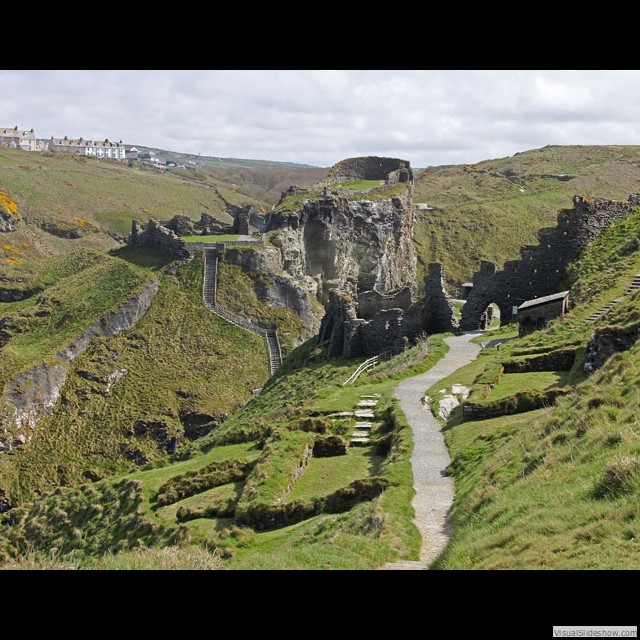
(9, 216)
(352, 248)
(341, 236)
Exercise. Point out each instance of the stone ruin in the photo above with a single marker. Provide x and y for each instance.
(357, 257)
(540, 271)
(372, 324)
(391, 170)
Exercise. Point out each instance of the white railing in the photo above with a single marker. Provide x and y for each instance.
(365, 366)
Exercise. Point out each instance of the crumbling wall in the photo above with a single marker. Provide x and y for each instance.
(541, 268)
(371, 302)
(371, 168)
(439, 315)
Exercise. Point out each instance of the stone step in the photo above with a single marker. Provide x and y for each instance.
(404, 565)
(372, 396)
(367, 403)
(363, 425)
(359, 441)
(363, 413)
(360, 434)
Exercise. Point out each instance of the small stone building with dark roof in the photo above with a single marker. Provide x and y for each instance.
(535, 314)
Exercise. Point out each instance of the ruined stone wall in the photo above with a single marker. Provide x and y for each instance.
(156, 237)
(541, 268)
(439, 316)
(371, 302)
(241, 220)
(371, 168)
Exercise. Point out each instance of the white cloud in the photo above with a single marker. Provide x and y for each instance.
(320, 117)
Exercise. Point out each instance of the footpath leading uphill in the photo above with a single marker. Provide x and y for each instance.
(434, 490)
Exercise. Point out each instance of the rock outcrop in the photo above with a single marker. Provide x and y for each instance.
(606, 342)
(274, 285)
(331, 240)
(353, 249)
(9, 215)
(354, 252)
(156, 237)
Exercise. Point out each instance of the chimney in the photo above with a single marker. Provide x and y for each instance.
(15, 128)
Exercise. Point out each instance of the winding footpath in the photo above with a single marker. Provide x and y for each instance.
(434, 490)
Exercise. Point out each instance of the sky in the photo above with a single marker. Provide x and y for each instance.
(320, 117)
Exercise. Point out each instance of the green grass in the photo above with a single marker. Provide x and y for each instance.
(62, 189)
(219, 238)
(512, 383)
(364, 537)
(557, 487)
(499, 333)
(325, 475)
(345, 398)
(360, 185)
(236, 293)
(82, 287)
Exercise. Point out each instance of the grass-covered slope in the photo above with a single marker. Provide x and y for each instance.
(101, 197)
(348, 511)
(75, 290)
(130, 398)
(487, 211)
(557, 485)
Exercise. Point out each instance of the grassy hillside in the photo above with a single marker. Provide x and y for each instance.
(103, 196)
(242, 464)
(554, 483)
(261, 179)
(487, 211)
(77, 289)
(180, 368)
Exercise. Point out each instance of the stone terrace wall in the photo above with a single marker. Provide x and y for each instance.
(541, 268)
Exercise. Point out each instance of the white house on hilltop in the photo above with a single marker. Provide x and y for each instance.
(80, 146)
(15, 138)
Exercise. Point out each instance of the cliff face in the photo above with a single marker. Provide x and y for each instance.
(331, 240)
(352, 249)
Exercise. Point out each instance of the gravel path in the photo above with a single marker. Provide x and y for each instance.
(434, 490)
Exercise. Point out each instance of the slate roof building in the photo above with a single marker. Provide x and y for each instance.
(80, 146)
(15, 138)
(535, 314)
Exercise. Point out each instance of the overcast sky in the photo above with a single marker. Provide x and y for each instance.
(320, 117)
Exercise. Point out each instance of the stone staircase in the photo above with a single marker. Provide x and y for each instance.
(209, 298)
(635, 285)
